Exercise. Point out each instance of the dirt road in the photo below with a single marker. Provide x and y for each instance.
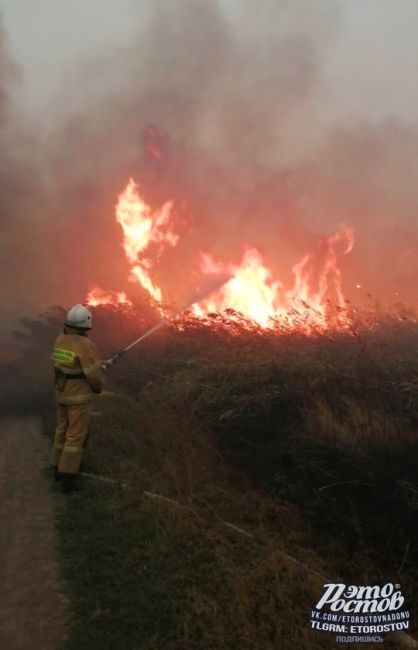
(32, 609)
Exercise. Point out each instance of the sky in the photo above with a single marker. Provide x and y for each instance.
(369, 72)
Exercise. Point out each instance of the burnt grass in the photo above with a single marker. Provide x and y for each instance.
(310, 443)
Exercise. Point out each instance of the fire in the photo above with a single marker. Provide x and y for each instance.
(315, 301)
(250, 290)
(253, 293)
(141, 229)
(98, 296)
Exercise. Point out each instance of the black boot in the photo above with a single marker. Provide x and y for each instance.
(57, 475)
(70, 483)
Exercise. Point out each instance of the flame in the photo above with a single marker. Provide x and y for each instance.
(98, 296)
(253, 293)
(315, 301)
(141, 228)
(250, 291)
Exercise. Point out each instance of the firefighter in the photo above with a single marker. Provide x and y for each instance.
(78, 377)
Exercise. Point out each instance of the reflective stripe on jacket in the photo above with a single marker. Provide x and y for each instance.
(78, 363)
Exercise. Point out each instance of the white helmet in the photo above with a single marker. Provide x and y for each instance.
(79, 317)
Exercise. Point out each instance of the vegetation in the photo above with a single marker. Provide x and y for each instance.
(306, 444)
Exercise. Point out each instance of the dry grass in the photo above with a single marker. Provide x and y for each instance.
(307, 443)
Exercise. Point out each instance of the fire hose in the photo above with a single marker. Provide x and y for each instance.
(197, 297)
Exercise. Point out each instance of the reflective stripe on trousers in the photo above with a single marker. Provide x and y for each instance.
(75, 399)
(72, 449)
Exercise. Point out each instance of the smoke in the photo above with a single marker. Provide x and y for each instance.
(227, 97)
(21, 197)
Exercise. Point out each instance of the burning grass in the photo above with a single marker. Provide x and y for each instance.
(308, 443)
(249, 287)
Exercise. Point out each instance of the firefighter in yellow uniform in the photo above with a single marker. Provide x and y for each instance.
(78, 377)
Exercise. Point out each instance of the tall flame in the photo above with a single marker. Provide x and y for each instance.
(142, 228)
(253, 291)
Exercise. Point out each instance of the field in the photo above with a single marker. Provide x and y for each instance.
(247, 468)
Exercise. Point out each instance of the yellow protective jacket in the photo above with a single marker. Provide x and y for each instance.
(78, 368)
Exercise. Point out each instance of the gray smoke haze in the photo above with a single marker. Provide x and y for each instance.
(245, 157)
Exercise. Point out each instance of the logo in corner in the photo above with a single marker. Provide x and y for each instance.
(360, 614)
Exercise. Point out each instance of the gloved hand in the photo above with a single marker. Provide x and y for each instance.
(111, 360)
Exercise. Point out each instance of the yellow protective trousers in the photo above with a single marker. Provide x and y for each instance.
(73, 423)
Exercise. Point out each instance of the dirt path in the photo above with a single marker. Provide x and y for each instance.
(32, 609)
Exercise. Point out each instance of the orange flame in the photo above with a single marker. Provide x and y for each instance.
(98, 296)
(252, 291)
(254, 294)
(141, 228)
